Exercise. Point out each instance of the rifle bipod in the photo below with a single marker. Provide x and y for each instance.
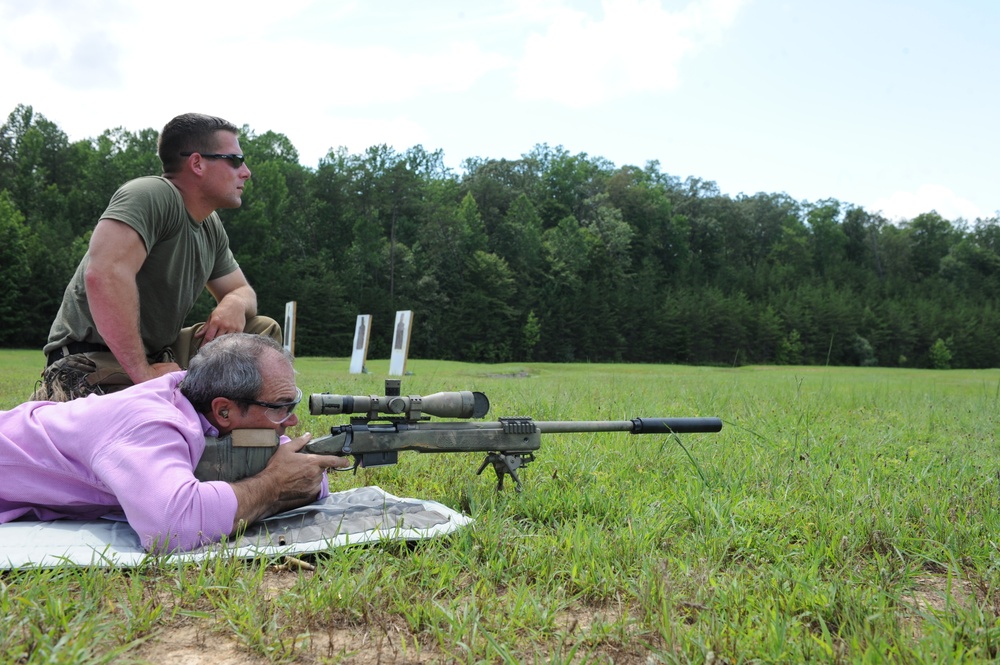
(506, 464)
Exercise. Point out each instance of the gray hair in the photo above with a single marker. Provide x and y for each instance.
(228, 366)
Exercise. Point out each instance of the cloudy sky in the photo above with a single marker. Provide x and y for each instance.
(890, 105)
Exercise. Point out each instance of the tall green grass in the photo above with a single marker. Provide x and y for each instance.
(842, 515)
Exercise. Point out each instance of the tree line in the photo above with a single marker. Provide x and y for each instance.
(553, 257)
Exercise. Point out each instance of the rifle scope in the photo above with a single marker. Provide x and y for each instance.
(460, 404)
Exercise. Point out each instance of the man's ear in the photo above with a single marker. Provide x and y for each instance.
(223, 412)
(196, 163)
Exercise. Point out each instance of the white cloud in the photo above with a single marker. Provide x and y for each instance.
(637, 46)
(255, 67)
(907, 205)
(371, 75)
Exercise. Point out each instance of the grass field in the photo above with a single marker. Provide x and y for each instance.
(842, 515)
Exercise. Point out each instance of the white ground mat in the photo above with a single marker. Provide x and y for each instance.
(361, 515)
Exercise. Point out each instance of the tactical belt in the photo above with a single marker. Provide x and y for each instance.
(74, 348)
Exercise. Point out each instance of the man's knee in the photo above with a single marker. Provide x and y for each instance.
(188, 343)
(80, 374)
(263, 325)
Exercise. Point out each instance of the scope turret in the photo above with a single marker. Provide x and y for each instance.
(459, 404)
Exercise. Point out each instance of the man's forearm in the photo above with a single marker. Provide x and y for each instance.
(114, 304)
(231, 314)
(289, 480)
(245, 298)
(261, 496)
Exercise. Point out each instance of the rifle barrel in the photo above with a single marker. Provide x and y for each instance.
(635, 426)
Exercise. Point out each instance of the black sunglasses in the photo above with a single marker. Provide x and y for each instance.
(235, 160)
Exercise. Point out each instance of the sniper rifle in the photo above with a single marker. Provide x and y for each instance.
(392, 423)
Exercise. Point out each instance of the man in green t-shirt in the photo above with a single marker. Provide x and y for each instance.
(156, 247)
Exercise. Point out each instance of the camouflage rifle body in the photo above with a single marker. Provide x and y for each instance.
(376, 440)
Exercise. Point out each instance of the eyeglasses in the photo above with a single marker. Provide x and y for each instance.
(235, 160)
(278, 412)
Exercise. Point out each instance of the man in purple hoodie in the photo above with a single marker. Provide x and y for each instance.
(132, 454)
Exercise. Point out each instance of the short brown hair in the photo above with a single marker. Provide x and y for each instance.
(190, 132)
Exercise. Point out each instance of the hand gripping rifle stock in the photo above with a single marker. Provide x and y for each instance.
(388, 424)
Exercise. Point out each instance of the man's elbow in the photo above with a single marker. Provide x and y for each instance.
(99, 279)
(93, 278)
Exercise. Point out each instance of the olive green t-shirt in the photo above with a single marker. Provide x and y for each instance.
(182, 256)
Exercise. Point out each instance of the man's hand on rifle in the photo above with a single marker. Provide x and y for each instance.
(299, 475)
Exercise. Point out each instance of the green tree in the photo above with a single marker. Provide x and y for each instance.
(567, 182)
(931, 236)
(829, 241)
(14, 271)
(531, 333)
(497, 183)
(940, 355)
(790, 349)
(517, 239)
(444, 246)
(562, 312)
(972, 263)
(486, 325)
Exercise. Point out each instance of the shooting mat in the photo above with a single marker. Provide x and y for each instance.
(361, 515)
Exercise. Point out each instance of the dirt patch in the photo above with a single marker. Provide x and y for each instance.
(193, 645)
(202, 641)
(189, 645)
(198, 636)
(936, 593)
